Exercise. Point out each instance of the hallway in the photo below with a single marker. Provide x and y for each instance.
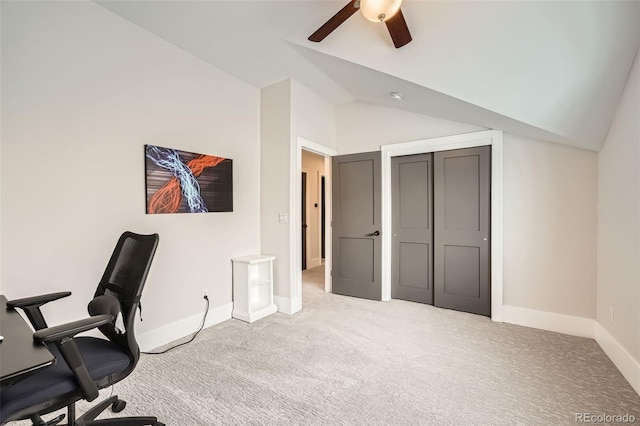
(313, 279)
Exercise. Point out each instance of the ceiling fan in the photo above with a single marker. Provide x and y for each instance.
(387, 11)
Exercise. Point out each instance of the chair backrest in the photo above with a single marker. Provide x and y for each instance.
(124, 278)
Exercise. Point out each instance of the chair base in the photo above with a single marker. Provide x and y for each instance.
(89, 418)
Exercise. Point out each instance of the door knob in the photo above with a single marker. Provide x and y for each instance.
(374, 234)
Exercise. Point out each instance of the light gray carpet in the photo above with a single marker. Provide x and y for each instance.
(343, 360)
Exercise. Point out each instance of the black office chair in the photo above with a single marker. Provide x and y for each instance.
(86, 364)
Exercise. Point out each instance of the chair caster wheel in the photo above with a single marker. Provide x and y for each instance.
(118, 406)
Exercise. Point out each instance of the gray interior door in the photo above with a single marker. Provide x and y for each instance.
(356, 226)
(462, 230)
(412, 228)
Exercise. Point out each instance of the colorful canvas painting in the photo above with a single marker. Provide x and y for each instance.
(185, 182)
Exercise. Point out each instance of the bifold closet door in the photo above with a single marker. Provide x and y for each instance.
(412, 228)
(462, 205)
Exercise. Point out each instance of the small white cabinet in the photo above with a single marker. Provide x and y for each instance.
(253, 287)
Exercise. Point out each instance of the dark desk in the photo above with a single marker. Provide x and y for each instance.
(19, 354)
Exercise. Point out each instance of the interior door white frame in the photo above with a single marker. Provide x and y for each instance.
(295, 215)
(467, 140)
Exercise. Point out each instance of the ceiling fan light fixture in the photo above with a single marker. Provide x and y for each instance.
(379, 10)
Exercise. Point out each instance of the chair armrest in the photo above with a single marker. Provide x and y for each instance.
(62, 336)
(70, 329)
(37, 300)
(31, 307)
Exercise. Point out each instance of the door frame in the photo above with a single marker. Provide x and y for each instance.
(295, 195)
(466, 140)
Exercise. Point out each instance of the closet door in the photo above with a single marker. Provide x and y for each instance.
(461, 230)
(412, 228)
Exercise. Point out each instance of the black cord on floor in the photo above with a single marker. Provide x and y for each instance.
(206, 311)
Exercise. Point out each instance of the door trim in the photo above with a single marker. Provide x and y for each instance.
(295, 200)
(466, 140)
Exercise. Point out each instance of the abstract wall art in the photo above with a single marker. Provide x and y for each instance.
(185, 182)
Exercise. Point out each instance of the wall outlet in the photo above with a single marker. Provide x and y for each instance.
(205, 293)
(611, 314)
(283, 218)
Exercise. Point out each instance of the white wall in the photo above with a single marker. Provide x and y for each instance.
(619, 224)
(83, 91)
(307, 116)
(312, 116)
(549, 237)
(313, 165)
(275, 129)
(363, 127)
(549, 204)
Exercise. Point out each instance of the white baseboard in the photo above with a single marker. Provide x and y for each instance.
(578, 326)
(286, 305)
(296, 304)
(152, 339)
(560, 323)
(623, 360)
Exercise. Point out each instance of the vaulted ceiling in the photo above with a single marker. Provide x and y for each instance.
(552, 70)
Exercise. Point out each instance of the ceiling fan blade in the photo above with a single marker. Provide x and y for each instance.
(335, 21)
(398, 29)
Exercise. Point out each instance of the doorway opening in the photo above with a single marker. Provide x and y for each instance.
(323, 217)
(312, 208)
(309, 208)
(303, 217)
(318, 178)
